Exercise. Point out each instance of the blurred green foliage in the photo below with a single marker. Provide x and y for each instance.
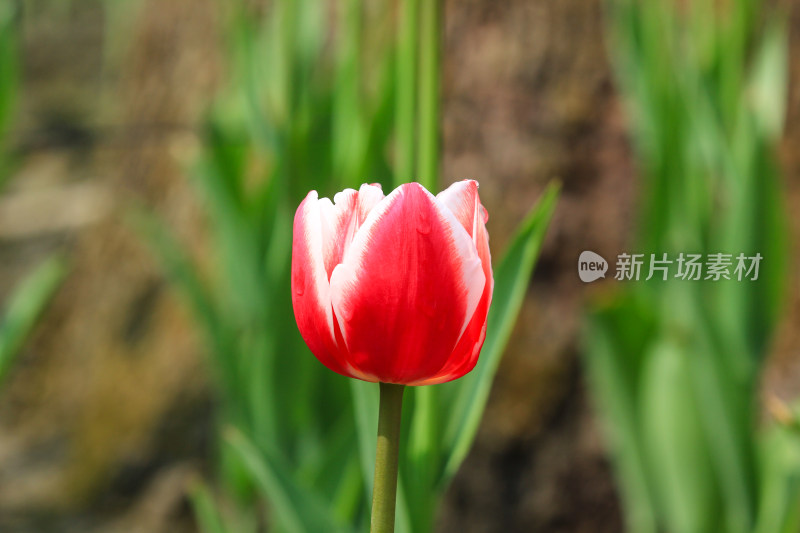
(304, 111)
(9, 79)
(24, 307)
(9, 68)
(675, 365)
(29, 299)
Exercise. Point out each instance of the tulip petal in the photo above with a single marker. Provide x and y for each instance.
(311, 297)
(463, 200)
(406, 288)
(342, 218)
(322, 233)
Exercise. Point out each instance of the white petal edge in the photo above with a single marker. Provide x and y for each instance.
(451, 198)
(347, 203)
(313, 231)
(472, 270)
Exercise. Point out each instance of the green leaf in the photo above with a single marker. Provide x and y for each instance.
(9, 65)
(511, 280)
(349, 130)
(615, 338)
(205, 510)
(769, 82)
(429, 50)
(405, 92)
(421, 454)
(779, 510)
(295, 508)
(674, 435)
(9, 81)
(707, 95)
(26, 304)
(365, 406)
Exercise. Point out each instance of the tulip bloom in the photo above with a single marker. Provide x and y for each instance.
(396, 288)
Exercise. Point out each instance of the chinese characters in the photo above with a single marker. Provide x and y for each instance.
(689, 267)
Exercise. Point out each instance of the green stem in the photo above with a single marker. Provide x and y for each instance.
(384, 492)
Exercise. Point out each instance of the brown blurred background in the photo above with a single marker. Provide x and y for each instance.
(108, 414)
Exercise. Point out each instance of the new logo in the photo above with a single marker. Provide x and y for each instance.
(591, 266)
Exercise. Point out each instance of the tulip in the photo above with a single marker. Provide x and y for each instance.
(393, 289)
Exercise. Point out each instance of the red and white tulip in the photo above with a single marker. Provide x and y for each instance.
(395, 288)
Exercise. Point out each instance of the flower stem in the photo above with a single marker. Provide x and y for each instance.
(384, 492)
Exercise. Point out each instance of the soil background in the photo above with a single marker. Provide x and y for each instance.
(108, 415)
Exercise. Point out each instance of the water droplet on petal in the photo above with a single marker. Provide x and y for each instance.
(299, 282)
(485, 214)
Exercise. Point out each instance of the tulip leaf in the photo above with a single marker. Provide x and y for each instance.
(673, 434)
(421, 454)
(614, 338)
(294, 508)
(675, 367)
(208, 516)
(512, 276)
(405, 93)
(24, 308)
(768, 84)
(430, 15)
(365, 402)
(780, 484)
(9, 64)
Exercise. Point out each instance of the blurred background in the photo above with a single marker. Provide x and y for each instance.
(134, 129)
